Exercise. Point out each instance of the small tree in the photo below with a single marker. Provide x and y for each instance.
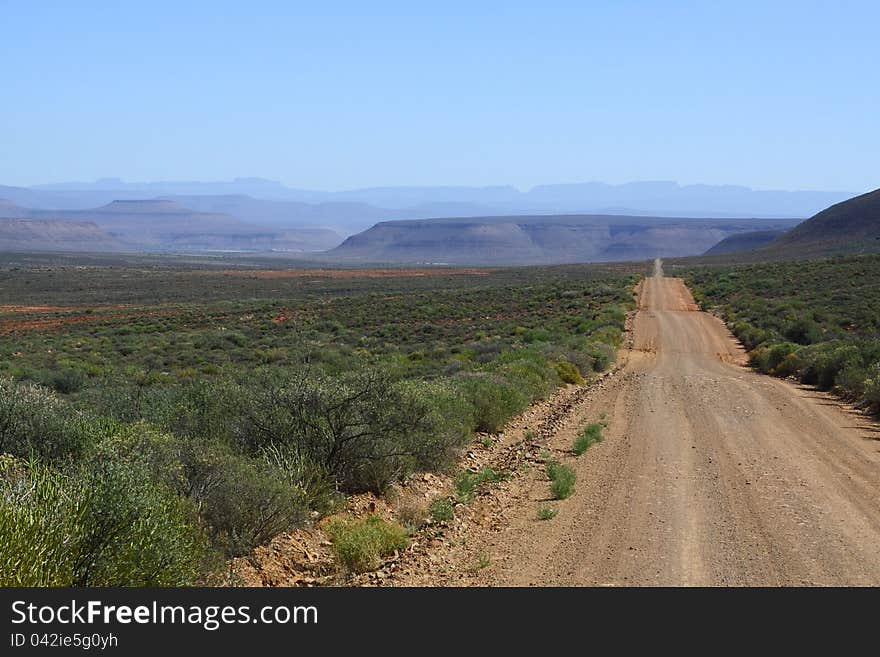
(364, 429)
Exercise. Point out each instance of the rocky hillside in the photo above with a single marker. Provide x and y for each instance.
(852, 226)
(745, 241)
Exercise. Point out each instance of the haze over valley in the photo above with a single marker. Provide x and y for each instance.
(502, 225)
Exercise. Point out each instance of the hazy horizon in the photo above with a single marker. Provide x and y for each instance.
(256, 197)
(107, 182)
(348, 96)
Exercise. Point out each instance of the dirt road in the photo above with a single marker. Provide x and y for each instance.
(710, 474)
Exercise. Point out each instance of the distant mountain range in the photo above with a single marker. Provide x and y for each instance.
(354, 210)
(500, 224)
(153, 225)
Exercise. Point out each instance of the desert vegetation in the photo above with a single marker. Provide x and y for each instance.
(156, 421)
(586, 438)
(546, 513)
(817, 320)
(361, 543)
(562, 479)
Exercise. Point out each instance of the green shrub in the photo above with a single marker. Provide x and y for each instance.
(608, 335)
(601, 355)
(527, 370)
(494, 401)
(587, 437)
(33, 420)
(546, 513)
(366, 430)
(447, 422)
(751, 336)
(203, 407)
(613, 315)
(871, 394)
(536, 335)
(769, 359)
(104, 526)
(135, 532)
(467, 482)
(562, 479)
(67, 380)
(803, 331)
(789, 366)
(465, 486)
(442, 510)
(851, 381)
(243, 500)
(482, 561)
(40, 514)
(360, 545)
(568, 372)
(312, 483)
(822, 363)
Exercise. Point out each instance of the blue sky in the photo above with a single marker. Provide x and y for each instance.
(337, 95)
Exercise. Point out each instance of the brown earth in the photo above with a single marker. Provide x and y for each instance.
(709, 474)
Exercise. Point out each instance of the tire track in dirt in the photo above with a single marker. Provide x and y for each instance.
(710, 474)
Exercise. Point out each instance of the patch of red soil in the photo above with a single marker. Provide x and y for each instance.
(10, 308)
(11, 326)
(344, 273)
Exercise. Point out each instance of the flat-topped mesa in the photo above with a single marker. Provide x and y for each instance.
(144, 206)
(54, 235)
(541, 239)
